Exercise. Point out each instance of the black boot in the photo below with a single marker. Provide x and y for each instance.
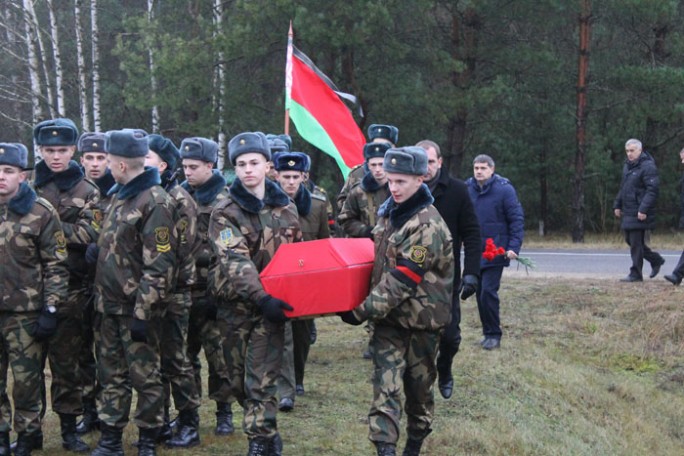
(259, 446)
(110, 442)
(187, 435)
(224, 419)
(30, 442)
(89, 422)
(4, 444)
(166, 431)
(275, 446)
(70, 439)
(412, 447)
(147, 440)
(385, 449)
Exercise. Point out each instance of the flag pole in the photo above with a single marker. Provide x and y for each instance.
(288, 79)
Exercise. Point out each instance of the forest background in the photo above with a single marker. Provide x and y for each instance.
(551, 89)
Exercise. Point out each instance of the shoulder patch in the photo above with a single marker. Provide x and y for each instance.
(319, 197)
(162, 239)
(61, 242)
(182, 231)
(417, 254)
(226, 236)
(97, 219)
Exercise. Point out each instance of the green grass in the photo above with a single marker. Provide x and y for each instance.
(587, 367)
(662, 239)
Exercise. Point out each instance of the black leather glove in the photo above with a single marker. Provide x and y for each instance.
(46, 326)
(468, 286)
(139, 330)
(92, 252)
(349, 318)
(272, 309)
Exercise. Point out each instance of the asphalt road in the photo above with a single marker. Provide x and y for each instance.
(585, 263)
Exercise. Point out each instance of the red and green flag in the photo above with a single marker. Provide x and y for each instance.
(317, 110)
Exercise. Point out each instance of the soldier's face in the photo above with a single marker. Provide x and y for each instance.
(10, 179)
(482, 172)
(197, 172)
(94, 164)
(57, 157)
(154, 160)
(403, 186)
(290, 181)
(434, 163)
(375, 166)
(251, 169)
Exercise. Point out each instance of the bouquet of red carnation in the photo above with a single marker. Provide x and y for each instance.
(492, 251)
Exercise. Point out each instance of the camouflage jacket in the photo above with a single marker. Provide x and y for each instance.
(354, 177)
(137, 257)
(206, 196)
(359, 213)
(76, 200)
(413, 272)
(188, 241)
(33, 254)
(313, 214)
(245, 233)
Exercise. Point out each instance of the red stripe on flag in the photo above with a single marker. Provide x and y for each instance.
(410, 274)
(325, 106)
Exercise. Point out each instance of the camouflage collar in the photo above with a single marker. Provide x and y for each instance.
(401, 213)
(274, 197)
(23, 201)
(148, 178)
(207, 192)
(66, 180)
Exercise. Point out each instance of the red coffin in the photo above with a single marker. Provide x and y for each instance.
(320, 277)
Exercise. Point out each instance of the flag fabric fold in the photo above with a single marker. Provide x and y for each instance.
(319, 114)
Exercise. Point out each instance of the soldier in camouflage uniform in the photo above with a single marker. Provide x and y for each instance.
(135, 271)
(177, 373)
(94, 162)
(246, 230)
(33, 284)
(208, 188)
(61, 181)
(376, 134)
(410, 302)
(312, 208)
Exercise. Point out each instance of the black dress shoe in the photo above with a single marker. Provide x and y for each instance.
(286, 404)
(299, 390)
(655, 268)
(491, 343)
(630, 278)
(446, 388)
(673, 279)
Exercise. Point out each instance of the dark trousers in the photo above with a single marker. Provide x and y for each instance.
(636, 239)
(488, 301)
(450, 340)
(678, 270)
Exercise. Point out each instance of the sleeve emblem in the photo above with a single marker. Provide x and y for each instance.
(417, 254)
(97, 219)
(161, 237)
(182, 230)
(226, 236)
(61, 242)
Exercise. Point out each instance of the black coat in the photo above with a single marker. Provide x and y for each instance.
(454, 205)
(638, 193)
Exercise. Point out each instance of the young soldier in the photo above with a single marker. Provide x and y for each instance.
(135, 269)
(33, 279)
(61, 181)
(208, 188)
(246, 230)
(291, 170)
(174, 313)
(410, 303)
(93, 155)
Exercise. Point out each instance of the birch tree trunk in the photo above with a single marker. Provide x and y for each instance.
(80, 59)
(34, 76)
(95, 52)
(13, 93)
(153, 76)
(32, 22)
(57, 56)
(219, 83)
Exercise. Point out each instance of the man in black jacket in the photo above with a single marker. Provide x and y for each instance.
(455, 207)
(635, 205)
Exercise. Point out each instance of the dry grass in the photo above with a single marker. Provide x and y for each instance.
(587, 367)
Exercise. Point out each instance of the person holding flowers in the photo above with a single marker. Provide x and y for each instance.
(501, 227)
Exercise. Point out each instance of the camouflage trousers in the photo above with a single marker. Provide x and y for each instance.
(63, 352)
(23, 355)
(402, 359)
(203, 333)
(253, 349)
(297, 344)
(124, 365)
(177, 373)
(86, 360)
